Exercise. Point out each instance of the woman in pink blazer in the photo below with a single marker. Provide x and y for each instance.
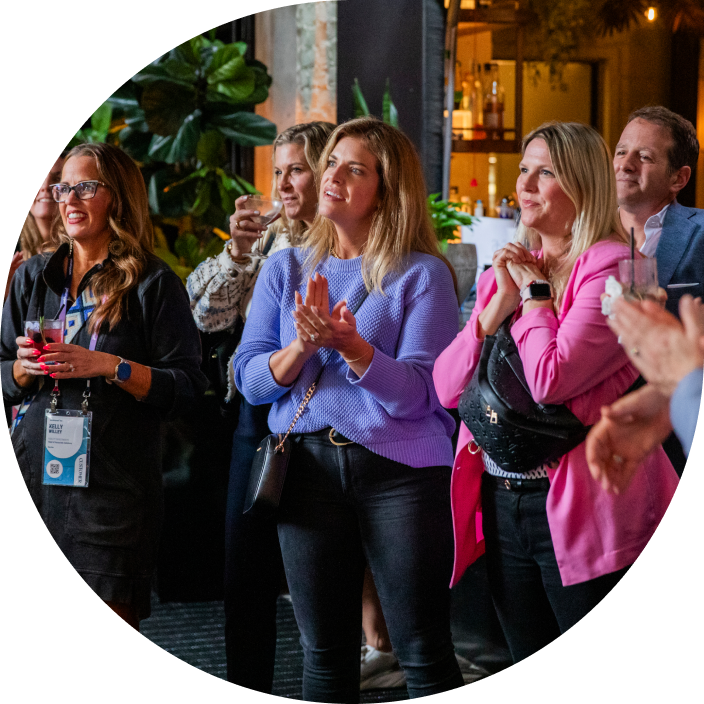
(555, 542)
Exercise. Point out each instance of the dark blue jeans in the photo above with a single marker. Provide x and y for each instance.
(342, 506)
(253, 567)
(533, 606)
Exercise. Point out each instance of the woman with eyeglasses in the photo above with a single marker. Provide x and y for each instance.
(131, 350)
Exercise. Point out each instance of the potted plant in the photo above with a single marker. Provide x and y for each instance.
(177, 118)
(447, 216)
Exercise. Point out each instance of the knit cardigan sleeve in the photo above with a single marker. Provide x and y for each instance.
(217, 288)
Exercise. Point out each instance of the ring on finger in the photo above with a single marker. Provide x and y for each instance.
(313, 337)
(72, 368)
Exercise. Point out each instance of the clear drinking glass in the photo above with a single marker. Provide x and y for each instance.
(639, 278)
(53, 331)
(268, 209)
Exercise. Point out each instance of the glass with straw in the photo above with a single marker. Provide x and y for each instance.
(638, 276)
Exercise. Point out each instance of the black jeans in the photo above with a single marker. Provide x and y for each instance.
(533, 606)
(253, 566)
(344, 505)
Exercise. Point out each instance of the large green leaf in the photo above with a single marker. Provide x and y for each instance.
(246, 128)
(211, 150)
(100, 119)
(238, 89)
(125, 97)
(189, 51)
(202, 201)
(184, 145)
(156, 72)
(179, 69)
(160, 147)
(167, 106)
(227, 65)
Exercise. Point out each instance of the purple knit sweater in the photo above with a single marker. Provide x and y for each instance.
(392, 409)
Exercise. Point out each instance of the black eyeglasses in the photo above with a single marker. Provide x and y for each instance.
(84, 190)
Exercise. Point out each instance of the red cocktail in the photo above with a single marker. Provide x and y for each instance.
(50, 331)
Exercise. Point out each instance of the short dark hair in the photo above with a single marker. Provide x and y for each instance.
(685, 148)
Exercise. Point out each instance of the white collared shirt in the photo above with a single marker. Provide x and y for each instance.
(653, 230)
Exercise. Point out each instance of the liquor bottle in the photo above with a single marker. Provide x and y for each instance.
(494, 104)
(478, 99)
(479, 208)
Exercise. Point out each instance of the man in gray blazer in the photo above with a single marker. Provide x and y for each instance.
(654, 160)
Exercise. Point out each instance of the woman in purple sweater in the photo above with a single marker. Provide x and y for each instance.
(369, 476)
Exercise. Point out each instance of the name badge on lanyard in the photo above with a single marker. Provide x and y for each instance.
(67, 433)
(67, 447)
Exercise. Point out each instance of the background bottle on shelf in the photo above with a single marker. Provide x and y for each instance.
(479, 208)
(478, 100)
(494, 98)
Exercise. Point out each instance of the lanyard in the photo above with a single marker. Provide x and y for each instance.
(55, 392)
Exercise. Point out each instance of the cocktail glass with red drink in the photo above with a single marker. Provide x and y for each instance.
(43, 332)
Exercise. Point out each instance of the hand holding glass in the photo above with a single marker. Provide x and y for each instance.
(53, 331)
(268, 209)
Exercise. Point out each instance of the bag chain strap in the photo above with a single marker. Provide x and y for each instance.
(311, 390)
(299, 413)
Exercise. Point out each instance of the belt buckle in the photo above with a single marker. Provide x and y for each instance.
(334, 442)
(507, 484)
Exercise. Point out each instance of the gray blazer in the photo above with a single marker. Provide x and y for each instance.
(680, 254)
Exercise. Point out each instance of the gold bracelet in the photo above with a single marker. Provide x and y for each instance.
(352, 361)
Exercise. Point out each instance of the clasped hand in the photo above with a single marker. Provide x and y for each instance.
(317, 326)
(514, 268)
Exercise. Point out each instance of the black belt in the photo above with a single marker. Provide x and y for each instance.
(335, 437)
(511, 484)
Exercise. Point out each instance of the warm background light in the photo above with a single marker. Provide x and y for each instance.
(650, 14)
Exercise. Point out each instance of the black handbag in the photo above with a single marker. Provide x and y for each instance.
(266, 480)
(515, 431)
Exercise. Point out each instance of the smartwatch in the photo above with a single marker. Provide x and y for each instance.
(123, 371)
(537, 290)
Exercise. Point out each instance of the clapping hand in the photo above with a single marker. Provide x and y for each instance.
(627, 433)
(317, 325)
(662, 348)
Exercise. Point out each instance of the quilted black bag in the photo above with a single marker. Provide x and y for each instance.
(515, 431)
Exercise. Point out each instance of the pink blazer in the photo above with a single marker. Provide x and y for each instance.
(571, 358)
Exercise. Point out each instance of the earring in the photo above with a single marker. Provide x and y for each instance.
(116, 247)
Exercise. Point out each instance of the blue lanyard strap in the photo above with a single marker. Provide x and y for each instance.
(55, 392)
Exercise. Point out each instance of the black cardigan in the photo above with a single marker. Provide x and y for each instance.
(111, 527)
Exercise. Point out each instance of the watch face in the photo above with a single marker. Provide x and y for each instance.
(540, 291)
(124, 371)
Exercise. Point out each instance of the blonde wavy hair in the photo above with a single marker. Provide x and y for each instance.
(401, 224)
(31, 240)
(584, 171)
(131, 227)
(313, 137)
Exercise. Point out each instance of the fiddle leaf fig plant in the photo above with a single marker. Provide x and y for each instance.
(180, 112)
(179, 118)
